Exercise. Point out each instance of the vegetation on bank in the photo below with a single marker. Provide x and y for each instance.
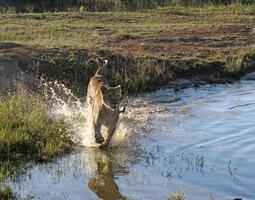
(27, 133)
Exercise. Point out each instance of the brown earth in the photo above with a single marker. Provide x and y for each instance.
(200, 43)
(74, 67)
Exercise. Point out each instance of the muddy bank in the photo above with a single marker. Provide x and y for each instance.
(74, 67)
(12, 78)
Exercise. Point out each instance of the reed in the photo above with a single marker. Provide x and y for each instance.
(179, 195)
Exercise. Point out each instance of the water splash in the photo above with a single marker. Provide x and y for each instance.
(64, 104)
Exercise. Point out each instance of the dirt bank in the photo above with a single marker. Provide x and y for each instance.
(74, 67)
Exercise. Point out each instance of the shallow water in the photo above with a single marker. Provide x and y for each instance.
(202, 144)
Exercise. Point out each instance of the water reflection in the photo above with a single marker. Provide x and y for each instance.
(103, 182)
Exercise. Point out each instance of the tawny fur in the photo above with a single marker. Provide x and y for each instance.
(104, 101)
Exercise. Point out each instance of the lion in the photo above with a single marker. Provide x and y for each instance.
(104, 102)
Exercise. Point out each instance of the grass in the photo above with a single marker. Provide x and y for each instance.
(177, 196)
(27, 133)
(206, 33)
(6, 193)
(144, 28)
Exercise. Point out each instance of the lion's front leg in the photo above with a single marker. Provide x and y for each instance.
(110, 133)
(98, 136)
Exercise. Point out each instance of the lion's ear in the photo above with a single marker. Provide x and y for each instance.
(104, 89)
(117, 87)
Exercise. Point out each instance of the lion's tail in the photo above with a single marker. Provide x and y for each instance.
(100, 68)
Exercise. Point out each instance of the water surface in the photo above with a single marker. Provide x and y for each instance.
(202, 144)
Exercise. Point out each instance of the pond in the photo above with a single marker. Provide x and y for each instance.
(200, 141)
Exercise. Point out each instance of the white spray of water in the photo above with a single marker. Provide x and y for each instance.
(63, 103)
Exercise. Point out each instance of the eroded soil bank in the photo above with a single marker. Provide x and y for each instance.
(136, 74)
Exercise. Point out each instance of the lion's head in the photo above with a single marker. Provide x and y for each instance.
(112, 96)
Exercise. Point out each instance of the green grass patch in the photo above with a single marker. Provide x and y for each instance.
(6, 193)
(27, 133)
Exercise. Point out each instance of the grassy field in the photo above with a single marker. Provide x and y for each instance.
(203, 32)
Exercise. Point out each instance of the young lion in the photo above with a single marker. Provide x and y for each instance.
(104, 101)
